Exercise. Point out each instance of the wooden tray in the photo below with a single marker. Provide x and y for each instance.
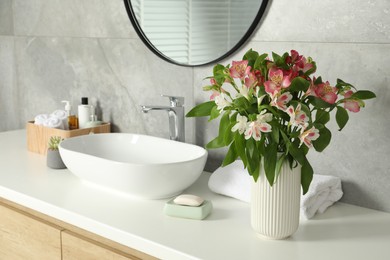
(38, 136)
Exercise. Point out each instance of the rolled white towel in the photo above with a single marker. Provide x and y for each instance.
(54, 122)
(234, 181)
(40, 119)
(61, 114)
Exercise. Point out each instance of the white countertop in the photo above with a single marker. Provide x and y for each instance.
(343, 232)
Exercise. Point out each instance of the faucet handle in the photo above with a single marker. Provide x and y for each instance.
(175, 101)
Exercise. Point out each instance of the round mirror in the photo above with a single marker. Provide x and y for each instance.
(194, 32)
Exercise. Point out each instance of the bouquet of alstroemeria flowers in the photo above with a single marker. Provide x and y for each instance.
(274, 109)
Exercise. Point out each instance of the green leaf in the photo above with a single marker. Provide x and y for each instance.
(251, 153)
(306, 176)
(363, 94)
(214, 113)
(219, 141)
(275, 131)
(251, 57)
(322, 116)
(215, 143)
(203, 109)
(297, 153)
(229, 135)
(259, 61)
(341, 84)
(279, 165)
(270, 158)
(219, 75)
(318, 81)
(341, 117)
(242, 102)
(299, 84)
(231, 155)
(323, 140)
(239, 141)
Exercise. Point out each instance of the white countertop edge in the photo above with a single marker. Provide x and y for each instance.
(116, 235)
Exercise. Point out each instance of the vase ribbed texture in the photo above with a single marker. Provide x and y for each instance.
(275, 210)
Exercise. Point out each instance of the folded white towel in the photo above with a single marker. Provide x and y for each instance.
(324, 190)
(61, 114)
(234, 181)
(40, 119)
(54, 122)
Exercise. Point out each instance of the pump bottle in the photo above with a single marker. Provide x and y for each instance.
(72, 119)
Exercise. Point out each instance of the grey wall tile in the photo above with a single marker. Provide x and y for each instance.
(327, 21)
(87, 18)
(8, 91)
(6, 20)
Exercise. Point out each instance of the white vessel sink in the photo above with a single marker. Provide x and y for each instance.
(142, 166)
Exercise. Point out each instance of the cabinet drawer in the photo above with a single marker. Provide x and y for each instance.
(75, 247)
(24, 237)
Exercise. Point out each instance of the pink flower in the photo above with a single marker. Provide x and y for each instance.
(214, 94)
(239, 69)
(251, 80)
(309, 135)
(255, 128)
(260, 77)
(213, 81)
(298, 118)
(299, 62)
(325, 91)
(294, 57)
(276, 81)
(351, 104)
(281, 101)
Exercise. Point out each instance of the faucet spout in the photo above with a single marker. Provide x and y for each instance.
(146, 109)
(175, 115)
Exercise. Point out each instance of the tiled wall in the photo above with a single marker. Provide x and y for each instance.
(55, 50)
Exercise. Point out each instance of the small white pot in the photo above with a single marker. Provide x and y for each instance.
(275, 210)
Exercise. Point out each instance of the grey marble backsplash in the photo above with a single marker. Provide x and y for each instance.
(55, 50)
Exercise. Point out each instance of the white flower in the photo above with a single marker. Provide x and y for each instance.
(243, 92)
(255, 128)
(280, 101)
(241, 124)
(309, 135)
(297, 116)
(221, 102)
(264, 117)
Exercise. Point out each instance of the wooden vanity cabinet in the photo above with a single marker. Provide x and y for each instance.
(25, 237)
(28, 234)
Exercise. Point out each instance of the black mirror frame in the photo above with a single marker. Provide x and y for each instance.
(146, 41)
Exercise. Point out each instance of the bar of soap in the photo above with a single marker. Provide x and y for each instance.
(174, 210)
(188, 200)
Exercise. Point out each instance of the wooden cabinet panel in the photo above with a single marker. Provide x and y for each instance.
(75, 247)
(24, 237)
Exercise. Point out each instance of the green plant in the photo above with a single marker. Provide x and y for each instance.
(274, 109)
(54, 141)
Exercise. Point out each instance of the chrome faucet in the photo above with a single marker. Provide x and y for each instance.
(175, 114)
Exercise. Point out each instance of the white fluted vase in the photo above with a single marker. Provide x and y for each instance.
(275, 210)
